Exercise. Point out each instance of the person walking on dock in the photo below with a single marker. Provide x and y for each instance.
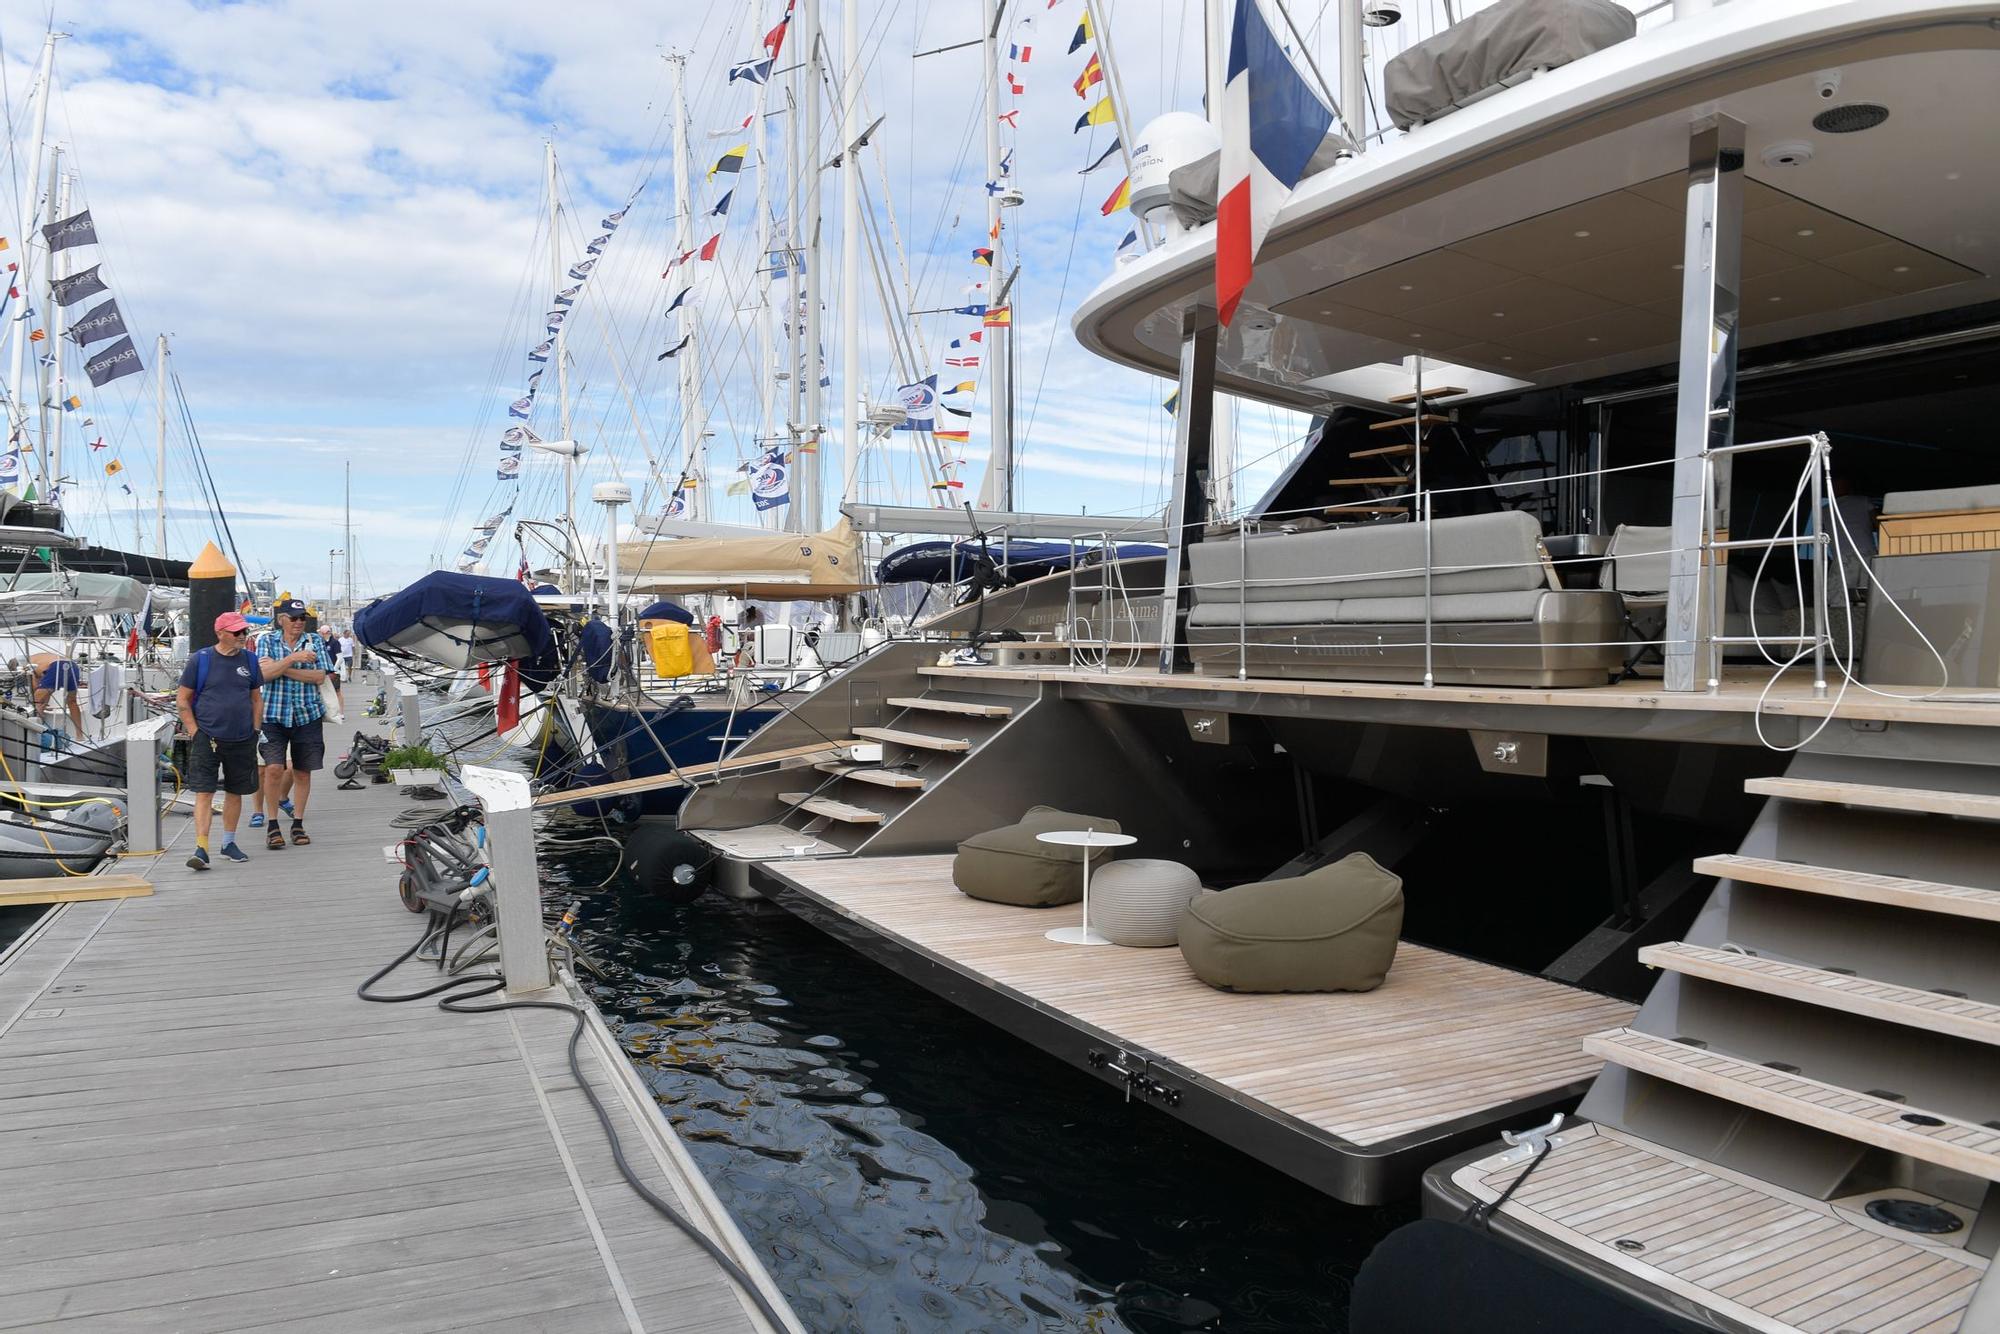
(220, 702)
(294, 663)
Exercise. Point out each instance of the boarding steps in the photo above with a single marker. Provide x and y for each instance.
(923, 739)
(1828, 1031)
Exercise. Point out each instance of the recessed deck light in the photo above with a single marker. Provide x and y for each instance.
(1590, 338)
(1900, 268)
(1952, 175)
(1506, 358)
(1407, 287)
(1499, 314)
(1678, 267)
(1804, 231)
(1774, 300)
(1580, 234)
(1415, 336)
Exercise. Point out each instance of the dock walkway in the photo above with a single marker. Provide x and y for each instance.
(203, 1128)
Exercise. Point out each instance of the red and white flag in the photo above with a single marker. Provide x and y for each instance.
(1272, 124)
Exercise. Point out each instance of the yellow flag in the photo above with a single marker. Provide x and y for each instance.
(113, 468)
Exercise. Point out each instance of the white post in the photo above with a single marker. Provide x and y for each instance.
(1354, 72)
(23, 326)
(51, 455)
(562, 369)
(517, 878)
(807, 467)
(611, 495)
(851, 379)
(142, 781)
(160, 445)
(997, 491)
(1222, 428)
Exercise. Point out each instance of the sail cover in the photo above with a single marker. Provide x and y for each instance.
(941, 562)
(76, 593)
(766, 565)
(460, 621)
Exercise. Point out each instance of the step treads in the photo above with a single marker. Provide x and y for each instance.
(1385, 451)
(1398, 423)
(831, 809)
(927, 705)
(914, 740)
(1917, 800)
(1864, 886)
(1429, 395)
(1955, 1016)
(878, 777)
(1958, 1145)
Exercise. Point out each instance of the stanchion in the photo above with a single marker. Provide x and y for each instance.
(517, 878)
(142, 782)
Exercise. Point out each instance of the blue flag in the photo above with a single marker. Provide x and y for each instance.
(919, 402)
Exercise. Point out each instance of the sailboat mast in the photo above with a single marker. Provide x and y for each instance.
(23, 326)
(851, 379)
(806, 471)
(795, 340)
(684, 242)
(160, 437)
(767, 367)
(562, 367)
(998, 490)
(347, 532)
(50, 362)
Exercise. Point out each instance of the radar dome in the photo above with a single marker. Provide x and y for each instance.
(1169, 142)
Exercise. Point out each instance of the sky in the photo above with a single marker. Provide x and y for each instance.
(337, 213)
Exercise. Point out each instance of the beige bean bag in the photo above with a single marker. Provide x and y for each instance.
(1333, 929)
(1008, 865)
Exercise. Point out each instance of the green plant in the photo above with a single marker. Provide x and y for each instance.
(418, 756)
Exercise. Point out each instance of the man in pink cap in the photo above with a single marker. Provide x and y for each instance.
(221, 699)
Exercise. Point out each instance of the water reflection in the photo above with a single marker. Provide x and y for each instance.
(903, 1166)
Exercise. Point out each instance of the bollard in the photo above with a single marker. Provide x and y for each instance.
(517, 878)
(142, 782)
(413, 713)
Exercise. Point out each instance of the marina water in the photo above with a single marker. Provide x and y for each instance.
(901, 1165)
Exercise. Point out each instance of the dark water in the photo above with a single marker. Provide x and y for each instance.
(904, 1166)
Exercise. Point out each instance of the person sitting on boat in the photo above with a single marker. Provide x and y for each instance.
(55, 693)
(295, 662)
(220, 700)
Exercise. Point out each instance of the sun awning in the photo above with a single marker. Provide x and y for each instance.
(771, 566)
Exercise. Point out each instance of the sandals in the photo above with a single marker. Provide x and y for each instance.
(299, 837)
(275, 839)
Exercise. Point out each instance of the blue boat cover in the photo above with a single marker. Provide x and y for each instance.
(664, 610)
(1025, 558)
(444, 596)
(595, 645)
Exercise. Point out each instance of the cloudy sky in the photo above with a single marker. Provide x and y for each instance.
(337, 213)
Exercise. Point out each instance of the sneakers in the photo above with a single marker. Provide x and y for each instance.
(198, 862)
(256, 819)
(234, 853)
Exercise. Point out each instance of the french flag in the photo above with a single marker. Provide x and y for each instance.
(1272, 123)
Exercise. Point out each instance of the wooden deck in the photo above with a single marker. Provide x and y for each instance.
(1745, 1249)
(202, 1128)
(1742, 692)
(1445, 1045)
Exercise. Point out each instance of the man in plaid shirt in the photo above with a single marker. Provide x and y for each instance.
(294, 664)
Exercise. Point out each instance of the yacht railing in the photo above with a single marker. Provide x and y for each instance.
(1783, 648)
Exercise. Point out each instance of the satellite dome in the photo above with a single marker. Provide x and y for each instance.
(1177, 139)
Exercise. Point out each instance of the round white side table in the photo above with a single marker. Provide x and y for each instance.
(1089, 840)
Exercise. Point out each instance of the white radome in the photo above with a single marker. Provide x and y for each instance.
(1168, 142)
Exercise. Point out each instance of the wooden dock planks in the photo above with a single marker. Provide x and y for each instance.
(202, 1127)
(72, 889)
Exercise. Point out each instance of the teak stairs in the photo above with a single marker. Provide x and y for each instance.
(1394, 477)
(1826, 1039)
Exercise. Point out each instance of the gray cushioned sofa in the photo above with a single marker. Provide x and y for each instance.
(1347, 604)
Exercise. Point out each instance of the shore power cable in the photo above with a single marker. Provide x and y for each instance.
(457, 996)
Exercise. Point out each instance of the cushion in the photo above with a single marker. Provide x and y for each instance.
(1008, 865)
(1333, 929)
(1139, 902)
(1475, 553)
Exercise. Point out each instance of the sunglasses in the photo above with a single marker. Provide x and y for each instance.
(232, 632)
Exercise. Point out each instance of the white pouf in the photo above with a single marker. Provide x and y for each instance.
(1139, 902)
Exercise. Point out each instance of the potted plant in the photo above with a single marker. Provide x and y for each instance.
(415, 766)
